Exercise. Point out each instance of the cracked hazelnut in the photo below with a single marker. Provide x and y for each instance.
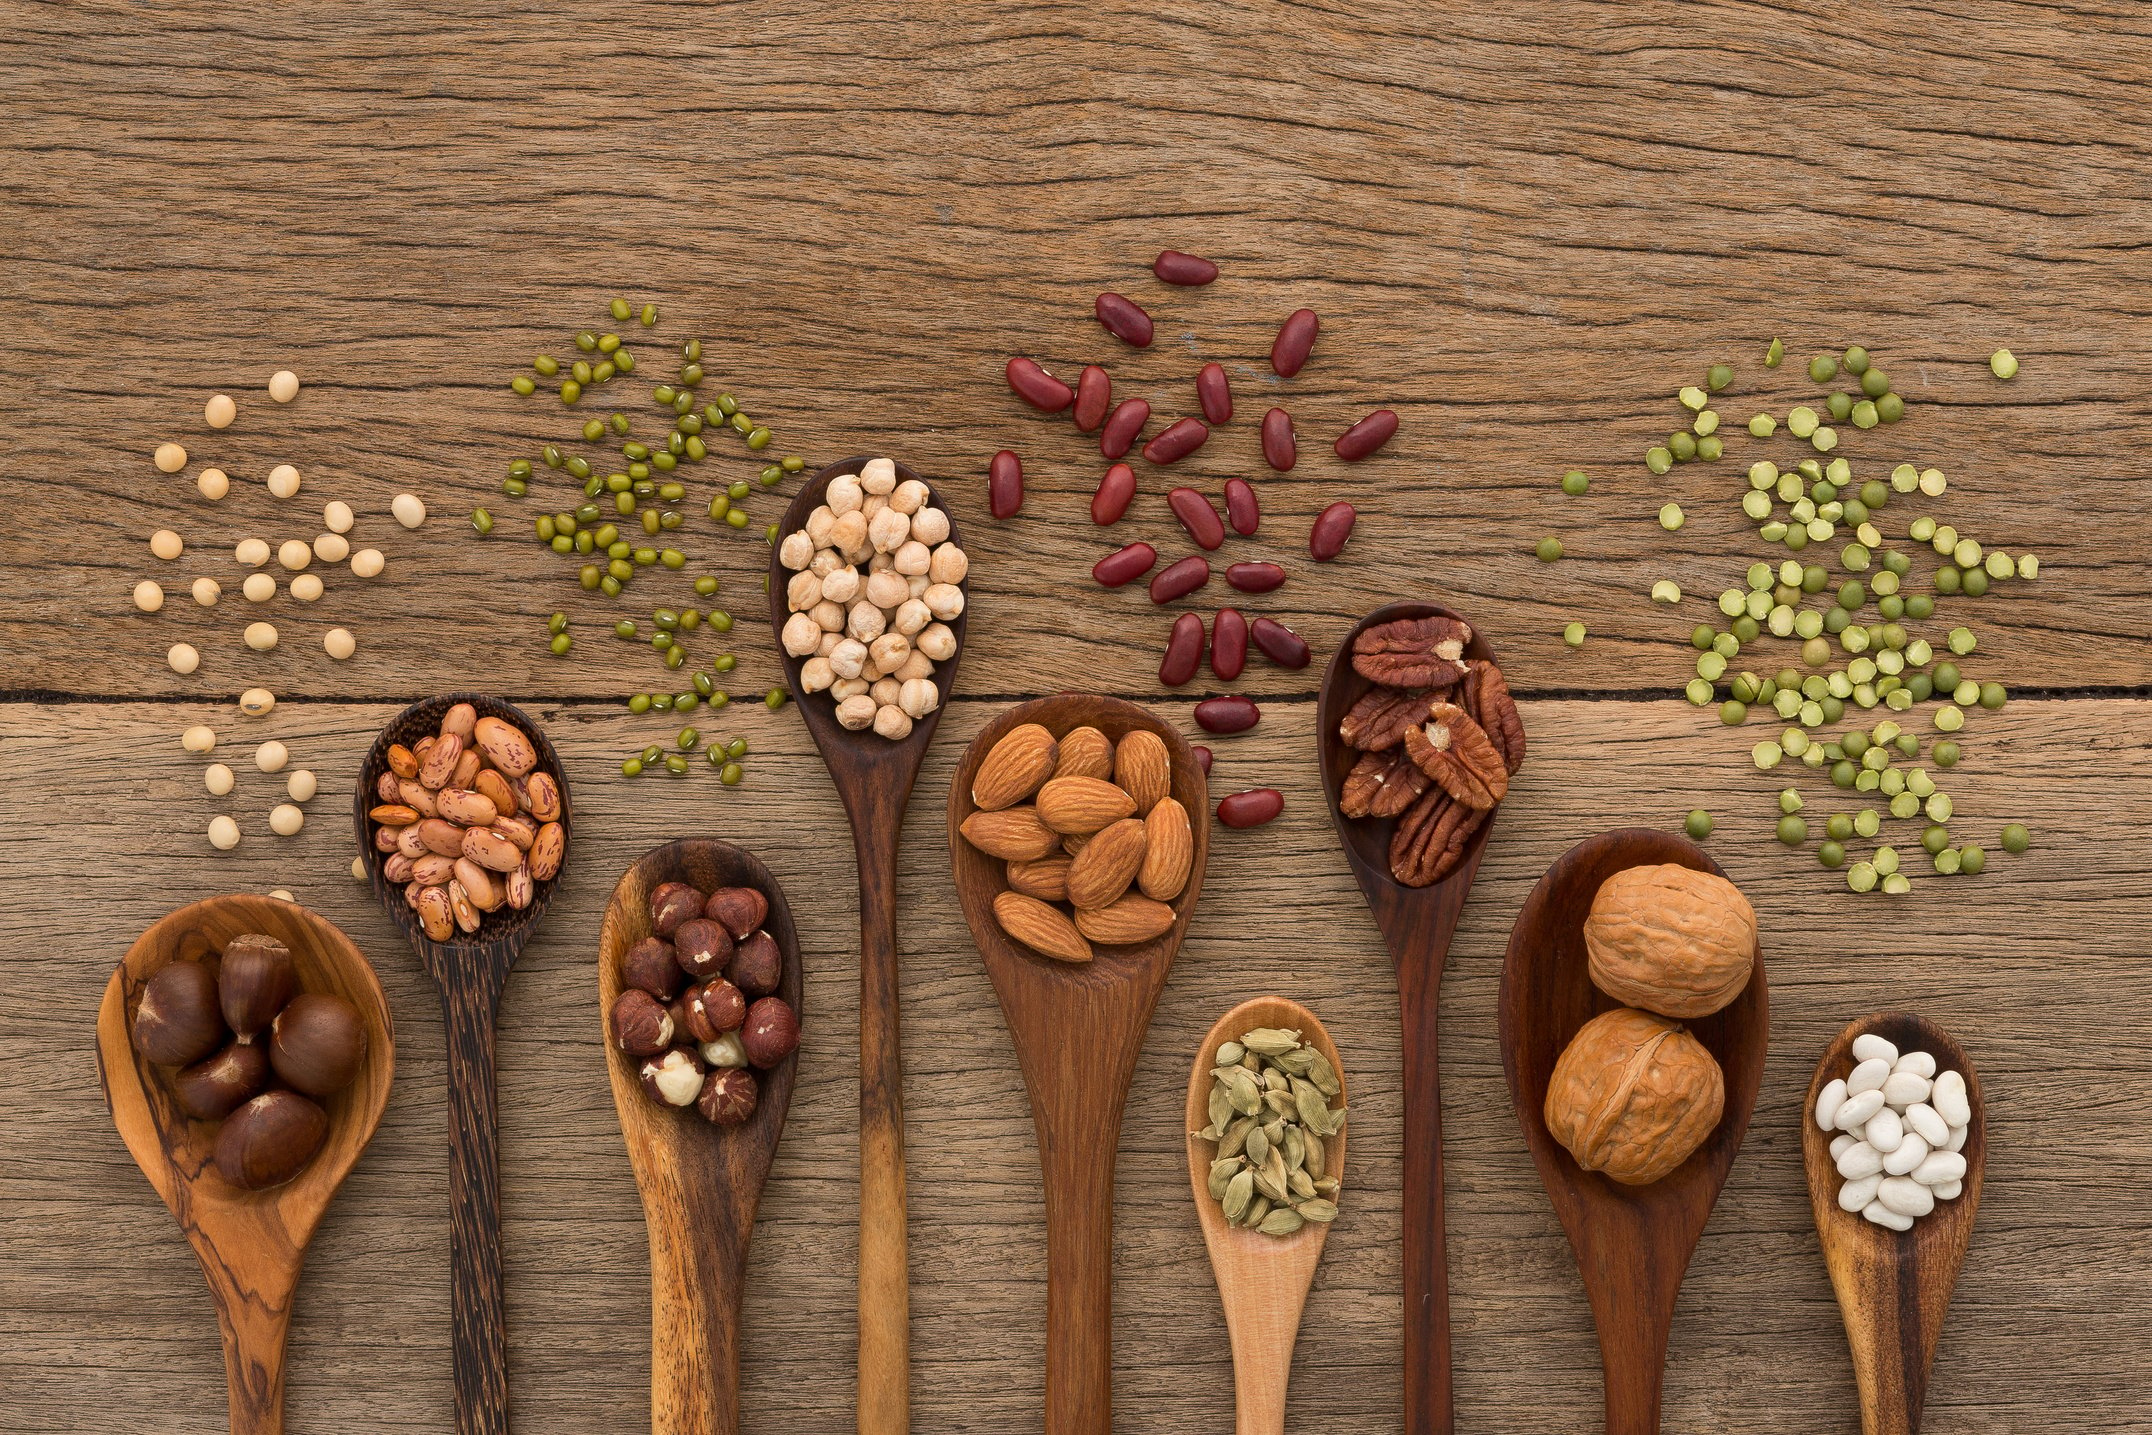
(739, 910)
(178, 1023)
(640, 1026)
(725, 1051)
(213, 1089)
(256, 981)
(756, 964)
(728, 1096)
(270, 1139)
(715, 1009)
(671, 904)
(702, 946)
(674, 1079)
(651, 966)
(771, 1032)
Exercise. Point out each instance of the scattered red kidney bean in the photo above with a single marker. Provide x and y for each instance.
(1231, 713)
(1296, 337)
(1252, 808)
(1229, 644)
(1214, 392)
(1279, 450)
(1364, 437)
(1124, 319)
(1177, 580)
(1255, 577)
(1094, 394)
(1038, 388)
(1186, 270)
(1332, 527)
(1122, 425)
(1005, 484)
(1184, 651)
(1241, 507)
(1197, 516)
(1114, 492)
(1203, 758)
(1124, 565)
(1280, 644)
(1176, 441)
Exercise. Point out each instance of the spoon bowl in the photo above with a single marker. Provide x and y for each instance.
(251, 1243)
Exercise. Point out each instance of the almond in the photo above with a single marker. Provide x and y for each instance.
(1085, 752)
(1143, 768)
(1081, 805)
(1074, 843)
(1046, 879)
(1127, 921)
(1169, 851)
(1107, 864)
(1015, 834)
(1042, 928)
(1014, 768)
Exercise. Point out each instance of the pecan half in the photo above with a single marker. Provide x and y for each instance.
(1431, 837)
(1486, 697)
(1378, 721)
(1382, 784)
(1413, 652)
(1457, 753)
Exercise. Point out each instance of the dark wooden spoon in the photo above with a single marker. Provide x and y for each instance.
(471, 971)
(1417, 924)
(1078, 1029)
(700, 1183)
(874, 778)
(250, 1243)
(1893, 1287)
(1632, 1243)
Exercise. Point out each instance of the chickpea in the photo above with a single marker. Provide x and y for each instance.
(803, 592)
(888, 529)
(865, 622)
(910, 496)
(844, 495)
(849, 532)
(912, 558)
(917, 665)
(918, 697)
(878, 475)
(949, 565)
(841, 585)
(938, 642)
(848, 658)
(797, 551)
(856, 712)
(889, 651)
(887, 588)
(819, 523)
(816, 674)
(891, 722)
(847, 688)
(930, 526)
(801, 634)
(911, 616)
(944, 600)
(884, 691)
(828, 644)
(826, 561)
(827, 616)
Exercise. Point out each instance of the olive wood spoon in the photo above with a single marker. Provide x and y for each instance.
(1893, 1287)
(1262, 1280)
(471, 970)
(874, 778)
(250, 1243)
(700, 1183)
(1417, 924)
(1632, 1243)
(1078, 1028)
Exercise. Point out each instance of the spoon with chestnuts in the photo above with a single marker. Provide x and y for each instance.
(700, 1153)
(874, 777)
(250, 1189)
(1632, 1242)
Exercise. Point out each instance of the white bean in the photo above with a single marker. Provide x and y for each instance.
(1870, 1047)
(1861, 1159)
(1948, 1190)
(1940, 1166)
(1902, 1088)
(1855, 1195)
(1854, 1111)
(1868, 1076)
(1920, 1063)
(1950, 1100)
(1932, 1128)
(1841, 1143)
(1957, 1138)
(1910, 1153)
(1884, 1216)
(1905, 1196)
(1884, 1131)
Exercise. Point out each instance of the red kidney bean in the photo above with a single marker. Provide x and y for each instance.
(1296, 337)
(1124, 319)
(1124, 565)
(1203, 758)
(1178, 580)
(1280, 644)
(1241, 507)
(1255, 577)
(1252, 808)
(1364, 437)
(1214, 393)
(1184, 651)
(1038, 388)
(1197, 516)
(1279, 450)
(1229, 644)
(1231, 713)
(1005, 484)
(1332, 527)
(1122, 425)
(1114, 492)
(1185, 270)
(1094, 395)
(1179, 439)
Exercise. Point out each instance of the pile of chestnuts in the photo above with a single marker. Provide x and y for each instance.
(698, 1012)
(243, 1046)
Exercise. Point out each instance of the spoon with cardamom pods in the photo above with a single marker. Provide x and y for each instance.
(1266, 1189)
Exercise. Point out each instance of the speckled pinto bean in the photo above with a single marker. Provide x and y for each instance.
(1180, 579)
(1176, 441)
(1296, 339)
(1122, 426)
(1231, 713)
(1005, 484)
(1038, 388)
(1252, 808)
(1229, 644)
(1364, 437)
(1094, 395)
(1241, 507)
(1214, 392)
(1184, 651)
(1203, 758)
(1115, 491)
(1124, 565)
(1197, 516)
(1332, 527)
(1124, 319)
(1280, 644)
(1186, 270)
(1279, 450)
(1255, 577)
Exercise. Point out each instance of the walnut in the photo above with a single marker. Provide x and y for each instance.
(1431, 837)
(1457, 753)
(1671, 940)
(1377, 722)
(1486, 697)
(1413, 652)
(1632, 1095)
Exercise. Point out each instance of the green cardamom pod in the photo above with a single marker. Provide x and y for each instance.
(1313, 1145)
(1250, 1062)
(1298, 1183)
(1320, 1072)
(1257, 1210)
(1318, 1210)
(1269, 1041)
(1280, 1105)
(1275, 1080)
(1296, 1148)
(1222, 1174)
(1238, 1192)
(1235, 1139)
(1209, 1133)
(1258, 1146)
(1328, 1186)
(1230, 1054)
(1294, 1063)
(1281, 1222)
(1314, 1110)
(1241, 1090)
(1221, 1107)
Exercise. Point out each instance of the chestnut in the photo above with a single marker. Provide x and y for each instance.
(270, 1139)
(703, 947)
(651, 965)
(177, 1023)
(771, 1032)
(739, 910)
(211, 1090)
(672, 903)
(715, 1009)
(756, 965)
(674, 1079)
(317, 1043)
(641, 1027)
(258, 978)
(728, 1096)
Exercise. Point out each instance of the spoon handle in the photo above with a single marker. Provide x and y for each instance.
(254, 1321)
(884, 1255)
(479, 1330)
(1078, 1136)
(1428, 1409)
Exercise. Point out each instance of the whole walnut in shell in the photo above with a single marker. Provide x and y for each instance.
(1633, 1095)
(1671, 940)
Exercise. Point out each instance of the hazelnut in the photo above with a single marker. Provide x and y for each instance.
(674, 1079)
(702, 946)
(269, 1140)
(757, 966)
(771, 1032)
(671, 904)
(728, 1096)
(739, 910)
(211, 1090)
(317, 1043)
(640, 1026)
(651, 966)
(177, 1023)
(256, 980)
(725, 1051)
(715, 1009)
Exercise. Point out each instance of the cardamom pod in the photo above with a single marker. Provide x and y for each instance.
(1318, 1210)
(1296, 1148)
(1321, 1073)
(1298, 1184)
(1281, 1222)
(1281, 1105)
(1221, 1108)
(1250, 1062)
(1258, 1146)
(1209, 1133)
(1274, 1176)
(1257, 1210)
(1313, 1145)
(1230, 1054)
(1270, 1041)
(1314, 1110)
(1235, 1139)
(1275, 1130)
(1327, 1186)
(1240, 1090)
(1275, 1080)
(1239, 1191)
(1222, 1174)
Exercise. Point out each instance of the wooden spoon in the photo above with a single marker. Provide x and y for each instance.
(471, 971)
(1417, 924)
(250, 1243)
(700, 1183)
(1893, 1288)
(1262, 1280)
(1632, 1243)
(1078, 1029)
(874, 778)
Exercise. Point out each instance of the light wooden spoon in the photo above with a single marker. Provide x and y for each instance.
(1893, 1287)
(1262, 1280)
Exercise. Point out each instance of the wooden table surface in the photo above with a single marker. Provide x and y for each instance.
(1524, 227)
